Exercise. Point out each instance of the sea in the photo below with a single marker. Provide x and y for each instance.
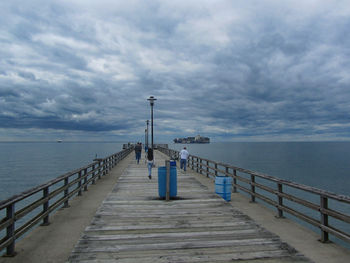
(324, 165)
(24, 165)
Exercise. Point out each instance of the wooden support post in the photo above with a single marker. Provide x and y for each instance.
(197, 164)
(324, 219)
(99, 171)
(79, 183)
(85, 179)
(93, 174)
(192, 159)
(201, 167)
(66, 191)
(216, 169)
(280, 201)
(46, 206)
(167, 194)
(207, 168)
(104, 167)
(10, 230)
(252, 187)
(234, 180)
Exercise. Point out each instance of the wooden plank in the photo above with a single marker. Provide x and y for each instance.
(196, 255)
(133, 225)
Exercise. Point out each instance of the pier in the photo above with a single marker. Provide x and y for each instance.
(122, 219)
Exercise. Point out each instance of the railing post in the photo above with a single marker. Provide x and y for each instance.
(85, 179)
(324, 219)
(116, 159)
(10, 230)
(234, 180)
(93, 174)
(197, 164)
(46, 206)
(201, 167)
(104, 167)
(99, 171)
(192, 159)
(79, 183)
(216, 169)
(207, 168)
(252, 186)
(280, 201)
(66, 181)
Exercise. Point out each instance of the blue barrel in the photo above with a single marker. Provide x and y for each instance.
(172, 163)
(223, 186)
(162, 181)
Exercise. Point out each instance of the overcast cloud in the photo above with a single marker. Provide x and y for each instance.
(230, 70)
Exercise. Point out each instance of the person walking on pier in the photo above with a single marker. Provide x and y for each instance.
(183, 158)
(138, 150)
(150, 162)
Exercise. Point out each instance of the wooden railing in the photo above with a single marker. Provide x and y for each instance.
(34, 207)
(284, 195)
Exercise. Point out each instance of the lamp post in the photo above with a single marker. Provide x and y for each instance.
(145, 138)
(151, 102)
(147, 123)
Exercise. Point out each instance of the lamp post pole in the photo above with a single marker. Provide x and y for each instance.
(151, 101)
(147, 123)
(145, 137)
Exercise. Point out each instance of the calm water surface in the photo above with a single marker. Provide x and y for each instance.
(26, 165)
(324, 165)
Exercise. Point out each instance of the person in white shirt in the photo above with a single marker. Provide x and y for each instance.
(183, 158)
(150, 162)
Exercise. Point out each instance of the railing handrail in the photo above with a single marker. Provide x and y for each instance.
(196, 163)
(34, 190)
(81, 179)
(311, 189)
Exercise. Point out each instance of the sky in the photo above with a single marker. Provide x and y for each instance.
(245, 70)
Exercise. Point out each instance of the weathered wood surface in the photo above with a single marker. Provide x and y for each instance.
(133, 225)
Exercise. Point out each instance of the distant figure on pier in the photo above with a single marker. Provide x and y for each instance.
(183, 158)
(150, 162)
(138, 150)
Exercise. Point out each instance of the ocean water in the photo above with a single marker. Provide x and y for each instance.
(324, 165)
(26, 165)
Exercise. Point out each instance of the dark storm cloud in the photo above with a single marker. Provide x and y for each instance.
(229, 70)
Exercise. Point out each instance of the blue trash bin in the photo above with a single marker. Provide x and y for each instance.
(162, 181)
(223, 186)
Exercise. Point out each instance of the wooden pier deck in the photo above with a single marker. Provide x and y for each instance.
(133, 225)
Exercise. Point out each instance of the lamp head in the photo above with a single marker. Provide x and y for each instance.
(151, 100)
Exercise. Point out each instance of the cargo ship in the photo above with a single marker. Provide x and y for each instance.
(197, 139)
